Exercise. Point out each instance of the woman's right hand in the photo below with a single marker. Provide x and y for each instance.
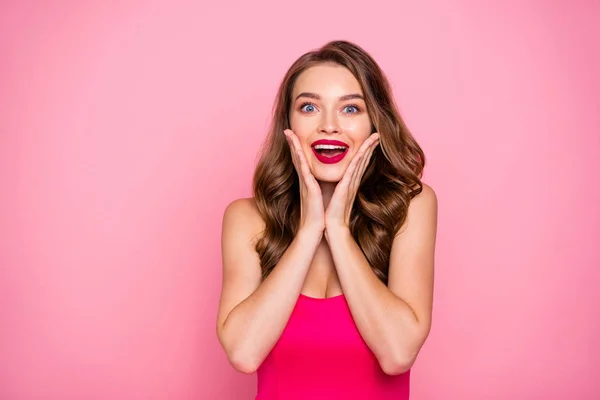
(312, 210)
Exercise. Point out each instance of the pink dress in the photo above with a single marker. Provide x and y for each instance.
(321, 356)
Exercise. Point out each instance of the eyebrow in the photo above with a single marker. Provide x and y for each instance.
(342, 98)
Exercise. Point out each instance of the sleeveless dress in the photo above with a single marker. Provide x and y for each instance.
(321, 356)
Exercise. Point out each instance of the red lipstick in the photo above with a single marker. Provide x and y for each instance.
(326, 159)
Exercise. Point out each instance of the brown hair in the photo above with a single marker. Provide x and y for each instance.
(391, 180)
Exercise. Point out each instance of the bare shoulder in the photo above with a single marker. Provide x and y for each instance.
(427, 198)
(241, 264)
(244, 206)
(412, 259)
(423, 209)
(242, 214)
(242, 225)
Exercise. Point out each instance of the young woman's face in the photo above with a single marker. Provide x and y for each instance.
(329, 116)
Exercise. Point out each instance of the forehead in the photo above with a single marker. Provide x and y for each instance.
(327, 80)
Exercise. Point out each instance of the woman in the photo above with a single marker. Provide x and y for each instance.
(328, 270)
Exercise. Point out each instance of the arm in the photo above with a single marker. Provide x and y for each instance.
(252, 315)
(395, 320)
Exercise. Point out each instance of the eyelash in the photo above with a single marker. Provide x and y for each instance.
(358, 109)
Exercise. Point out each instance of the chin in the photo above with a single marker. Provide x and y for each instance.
(330, 175)
(333, 180)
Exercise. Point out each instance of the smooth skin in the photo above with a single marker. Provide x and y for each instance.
(323, 258)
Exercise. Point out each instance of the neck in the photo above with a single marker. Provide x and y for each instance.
(327, 189)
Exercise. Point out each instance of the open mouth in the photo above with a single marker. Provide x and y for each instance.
(329, 151)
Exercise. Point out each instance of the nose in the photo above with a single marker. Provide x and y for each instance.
(329, 124)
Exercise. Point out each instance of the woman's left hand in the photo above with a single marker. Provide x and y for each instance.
(338, 211)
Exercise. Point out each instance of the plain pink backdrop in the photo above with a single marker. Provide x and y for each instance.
(126, 129)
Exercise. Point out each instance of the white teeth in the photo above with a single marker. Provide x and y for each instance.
(329, 147)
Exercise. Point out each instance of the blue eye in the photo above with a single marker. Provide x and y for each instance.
(354, 109)
(307, 107)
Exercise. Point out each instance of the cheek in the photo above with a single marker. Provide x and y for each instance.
(302, 125)
(303, 129)
(359, 130)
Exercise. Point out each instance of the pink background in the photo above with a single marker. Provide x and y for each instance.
(126, 129)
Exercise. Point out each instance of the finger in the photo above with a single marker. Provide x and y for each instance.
(303, 167)
(346, 183)
(309, 179)
(293, 150)
(305, 170)
(369, 154)
(363, 164)
(360, 156)
(295, 143)
(367, 158)
(296, 160)
(357, 173)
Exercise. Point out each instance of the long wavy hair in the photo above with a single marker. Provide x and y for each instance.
(391, 180)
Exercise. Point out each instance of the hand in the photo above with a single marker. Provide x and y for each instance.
(342, 200)
(312, 212)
